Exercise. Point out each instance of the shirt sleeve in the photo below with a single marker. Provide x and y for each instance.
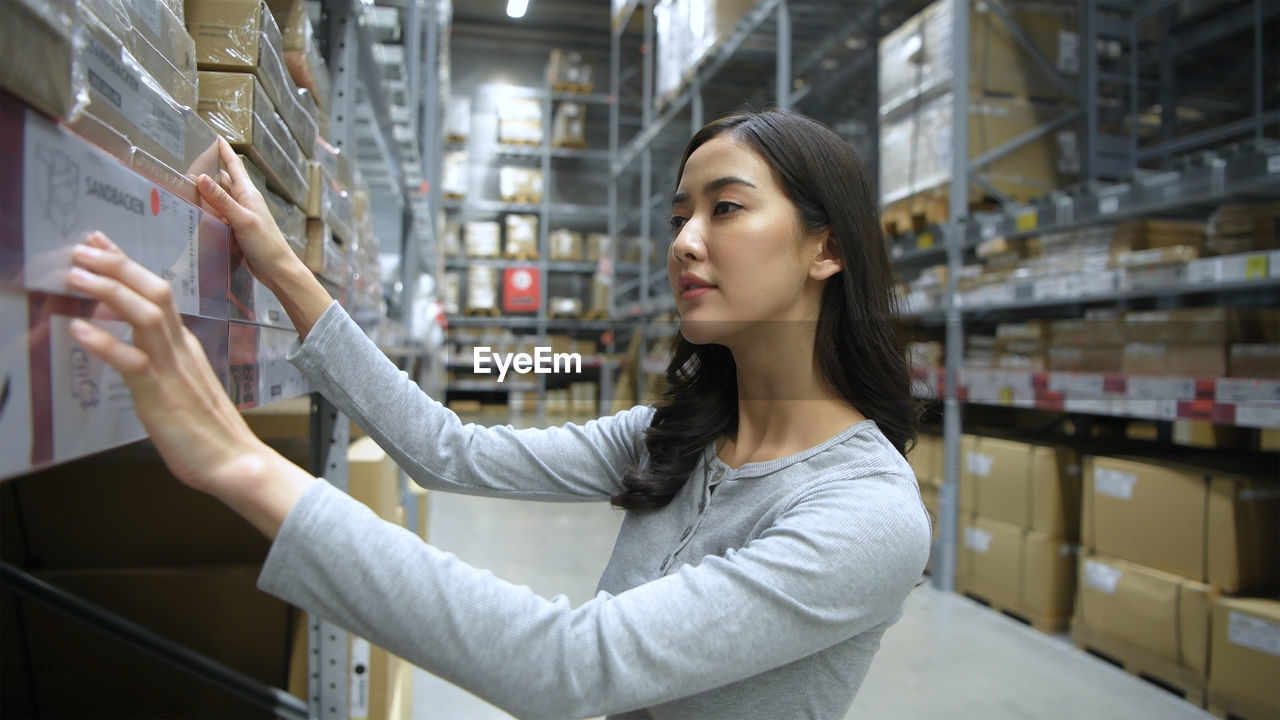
(839, 561)
(570, 462)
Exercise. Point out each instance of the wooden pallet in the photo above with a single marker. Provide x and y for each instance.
(1139, 662)
(521, 142)
(570, 145)
(522, 256)
(1229, 708)
(482, 312)
(596, 315)
(452, 196)
(522, 199)
(1044, 622)
(575, 88)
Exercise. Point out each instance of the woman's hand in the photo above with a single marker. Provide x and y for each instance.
(179, 400)
(270, 258)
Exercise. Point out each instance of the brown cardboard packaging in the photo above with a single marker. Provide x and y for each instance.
(922, 459)
(1031, 486)
(1086, 358)
(242, 36)
(237, 107)
(1186, 326)
(329, 200)
(1017, 569)
(565, 245)
(326, 256)
(1160, 613)
(422, 502)
(1246, 657)
(1048, 574)
(996, 560)
(521, 236)
(1206, 526)
(972, 465)
(483, 239)
(373, 478)
(569, 128)
(49, 50)
(158, 40)
(79, 673)
(1255, 360)
(1208, 360)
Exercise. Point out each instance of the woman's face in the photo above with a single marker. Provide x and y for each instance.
(740, 259)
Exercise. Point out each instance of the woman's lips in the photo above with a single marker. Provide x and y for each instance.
(696, 292)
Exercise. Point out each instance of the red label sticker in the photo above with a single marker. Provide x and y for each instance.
(155, 201)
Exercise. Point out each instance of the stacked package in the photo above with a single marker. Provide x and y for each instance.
(688, 32)
(519, 121)
(1165, 548)
(1019, 527)
(1010, 94)
(568, 127)
(570, 71)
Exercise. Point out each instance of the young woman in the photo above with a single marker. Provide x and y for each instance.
(772, 529)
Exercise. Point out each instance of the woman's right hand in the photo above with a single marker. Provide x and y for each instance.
(270, 258)
(234, 197)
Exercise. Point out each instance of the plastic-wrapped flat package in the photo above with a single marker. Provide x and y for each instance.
(237, 107)
(242, 36)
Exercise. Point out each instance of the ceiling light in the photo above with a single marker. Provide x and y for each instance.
(516, 8)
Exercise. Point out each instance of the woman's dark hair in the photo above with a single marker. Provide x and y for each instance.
(857, 347)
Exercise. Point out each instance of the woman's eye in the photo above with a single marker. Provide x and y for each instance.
(677, 222)
(725, 206)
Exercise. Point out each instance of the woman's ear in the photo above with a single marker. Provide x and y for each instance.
(827, 260)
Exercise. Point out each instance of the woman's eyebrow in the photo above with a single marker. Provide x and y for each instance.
(714, 185)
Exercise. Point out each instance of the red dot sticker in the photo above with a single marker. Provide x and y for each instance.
(155, 201)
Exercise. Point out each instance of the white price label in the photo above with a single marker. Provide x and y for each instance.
(1108, 205)
(1077, 385)
(1253, 632)
(1244, 390)
(1160, 388)
(1258, 416)
(1114, 483)
(1102, 577)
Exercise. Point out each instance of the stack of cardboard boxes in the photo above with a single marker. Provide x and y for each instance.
(1166, 551)
(688, 32)
(1019, 527)
(1010, 94)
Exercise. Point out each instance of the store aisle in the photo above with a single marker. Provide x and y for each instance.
(948, 659)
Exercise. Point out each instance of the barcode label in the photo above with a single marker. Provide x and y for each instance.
(1253, 632)
(1114, 483)
(1102, 577)
(1158, 388)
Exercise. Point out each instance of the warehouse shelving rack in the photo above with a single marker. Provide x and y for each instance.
(351, 59)
(1122, 71)
(550, 159)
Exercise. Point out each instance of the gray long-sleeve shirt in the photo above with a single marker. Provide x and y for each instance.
(759, 592)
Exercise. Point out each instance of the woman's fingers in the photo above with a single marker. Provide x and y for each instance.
(153, 326)
(221, 201)
(233, 166)
(114, 264)
(121, 356)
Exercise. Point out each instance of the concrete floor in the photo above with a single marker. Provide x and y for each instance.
(949, 658)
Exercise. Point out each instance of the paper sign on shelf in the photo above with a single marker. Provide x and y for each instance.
(1140, 387)
(71, 188)
(92, 407)
(1088, 385)
(1114, 483)
(15, 385)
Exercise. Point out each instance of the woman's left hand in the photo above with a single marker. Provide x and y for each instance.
(178, 398)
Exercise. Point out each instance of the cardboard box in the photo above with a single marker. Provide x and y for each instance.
(483, 239)
(329, 200)
(421, 499)
(482, 289)
(916, 58)
(521, 236)
(373, 478)
(1207, 526)
(242, 36)
(1085, 358)
(453, 178)
(457, 119)
(1255, 360)
(1017, 569)
(238, 108)
(1246, 656)
(570, 71)
(921, 459)
(301, 52)
(565, 245)
(326, 255)
(569, 128)
(520, 184)
(599, 245)
(1030, 486)
(1186, 326)
(79, 673)
(519, 121)
(37, 46)
(157, 39)
(1208, 360)
(1160, 613)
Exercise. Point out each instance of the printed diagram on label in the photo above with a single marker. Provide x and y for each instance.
(83, 386)
(61, 193)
